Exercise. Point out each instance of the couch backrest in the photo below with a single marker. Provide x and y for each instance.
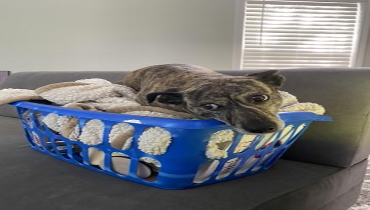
(344, 93)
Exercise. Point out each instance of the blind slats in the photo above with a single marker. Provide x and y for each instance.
(295, 54)
(299, 33)
(305, 3)
(287, 34)
(309, 11)
(292, 27)
(348, 7)
(299, 47)
(295, 65)
(299, 62)
(294, 19)
(329, 51)
(322, 31)
(292, 58)
(298, 38)
(299, 42)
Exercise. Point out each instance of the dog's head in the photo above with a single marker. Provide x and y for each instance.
(249, 104)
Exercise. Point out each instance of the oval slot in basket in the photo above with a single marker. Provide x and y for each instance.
(297, 132)
(148, 169)
(247, 165)
(96, 158)
(262, 162)
(266, 140)
(120, 163)
(205, 171)
(244, 143)
(286, 134)
(228, 168)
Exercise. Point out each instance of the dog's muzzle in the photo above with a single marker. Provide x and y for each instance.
(261, 126)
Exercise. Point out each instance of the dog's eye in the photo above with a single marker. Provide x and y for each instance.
(211, 106)
(259, 98)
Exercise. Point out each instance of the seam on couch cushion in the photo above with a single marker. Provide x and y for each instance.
(365, 132)
(353, 188)
(317, 182)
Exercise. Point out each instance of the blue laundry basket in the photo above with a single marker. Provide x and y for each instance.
(184, 165)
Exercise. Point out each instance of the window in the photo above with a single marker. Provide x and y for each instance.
(301, 33)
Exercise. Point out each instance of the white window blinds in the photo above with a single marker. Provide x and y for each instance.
(299, 33)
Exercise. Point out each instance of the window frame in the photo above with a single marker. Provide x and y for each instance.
(359, 49)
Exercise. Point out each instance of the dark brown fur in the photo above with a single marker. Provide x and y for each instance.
(188, 88)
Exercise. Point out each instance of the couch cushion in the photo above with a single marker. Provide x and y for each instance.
(345, 201)
(30, 178)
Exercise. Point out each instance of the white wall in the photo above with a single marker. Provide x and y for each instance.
(114, 34)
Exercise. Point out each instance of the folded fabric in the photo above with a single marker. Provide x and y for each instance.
(101, 95)
(90, 94)
(11, 95)
(291, 104)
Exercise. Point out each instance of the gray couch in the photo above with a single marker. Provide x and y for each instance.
(323, 170)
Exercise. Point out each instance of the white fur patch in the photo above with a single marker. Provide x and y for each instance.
(92, 133)
(291, 104)
(216, 148)
(95, 81)
(56, 123)
(150, 114)
(304, 107)
(149, 160)
(155, 141)
(119, 129)
(52, 121)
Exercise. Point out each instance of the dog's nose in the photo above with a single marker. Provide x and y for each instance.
(260, 126)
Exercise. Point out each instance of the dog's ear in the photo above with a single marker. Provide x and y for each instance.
(269, 77)
(165, 97)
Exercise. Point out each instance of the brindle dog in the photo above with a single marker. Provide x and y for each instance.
(248, 103)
